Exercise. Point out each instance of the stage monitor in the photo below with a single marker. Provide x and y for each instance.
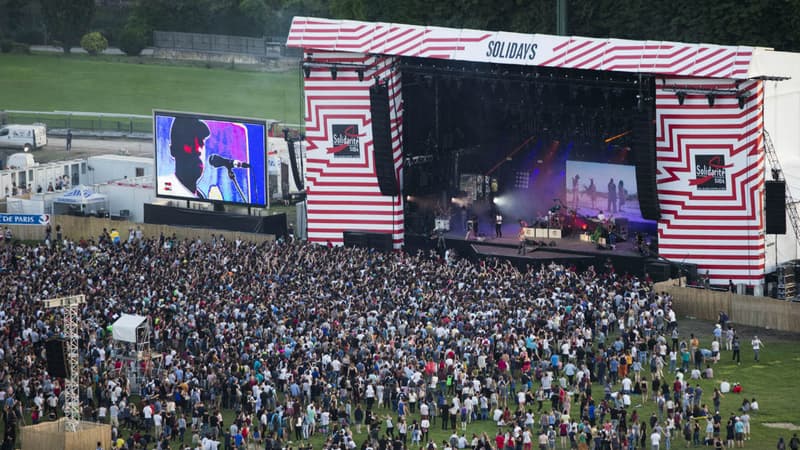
(589, 190)
(210, 158)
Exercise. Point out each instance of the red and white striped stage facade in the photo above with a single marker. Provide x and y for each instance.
(710, 159)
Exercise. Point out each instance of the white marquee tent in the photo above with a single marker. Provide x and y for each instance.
(124, 329)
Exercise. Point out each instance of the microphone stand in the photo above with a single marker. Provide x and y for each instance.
(232, 176)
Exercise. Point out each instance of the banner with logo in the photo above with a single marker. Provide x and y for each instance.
(24, 219)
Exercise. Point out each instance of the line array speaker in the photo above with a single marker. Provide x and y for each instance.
(55, 353)
(644, 150)
(382, 140)
(775, 205)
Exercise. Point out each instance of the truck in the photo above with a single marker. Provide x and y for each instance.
(25, 137)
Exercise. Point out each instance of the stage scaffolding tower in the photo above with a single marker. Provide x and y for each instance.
(70, 307)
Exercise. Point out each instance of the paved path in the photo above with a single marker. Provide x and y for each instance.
(82, 148)
(108, 51)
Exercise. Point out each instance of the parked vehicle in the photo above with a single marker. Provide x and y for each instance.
(25, 137)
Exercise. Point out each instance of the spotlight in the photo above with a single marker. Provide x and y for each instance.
(710, 98)
(307, 71)
(360, 73)
(409, 198)
(333, 72)
(681, 97)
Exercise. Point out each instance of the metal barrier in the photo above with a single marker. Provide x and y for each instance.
(266, 47)
(58, 122)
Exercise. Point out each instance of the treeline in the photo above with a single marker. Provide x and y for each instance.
(768, 23)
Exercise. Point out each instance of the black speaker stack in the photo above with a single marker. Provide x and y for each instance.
(56, 355)
(643, 143)
(367, 239)
(382, 139)
(775, 205)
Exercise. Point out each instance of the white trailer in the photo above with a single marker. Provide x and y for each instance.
(105, 168)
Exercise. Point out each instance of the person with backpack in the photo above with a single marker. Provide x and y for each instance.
(794, 442)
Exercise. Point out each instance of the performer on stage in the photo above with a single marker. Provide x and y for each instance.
(498, 225)
(521, 237)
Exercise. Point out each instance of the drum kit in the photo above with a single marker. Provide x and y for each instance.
(554, 216)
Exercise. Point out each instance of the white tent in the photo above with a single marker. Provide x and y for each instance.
(82, 201)
(124, 329)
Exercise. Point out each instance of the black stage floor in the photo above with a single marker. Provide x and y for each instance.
(570, 250)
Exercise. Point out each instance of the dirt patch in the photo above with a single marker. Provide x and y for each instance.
(782, 425)
(705, 328)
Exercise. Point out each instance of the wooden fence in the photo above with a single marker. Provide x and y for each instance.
(764, 312)
(76, 228)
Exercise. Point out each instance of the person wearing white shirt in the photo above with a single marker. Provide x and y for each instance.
(627, 385)
(147, 412)
(113, 413)
(158, 423)
(655, 440)
(757, 344)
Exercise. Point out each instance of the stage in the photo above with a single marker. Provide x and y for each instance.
(571, 250)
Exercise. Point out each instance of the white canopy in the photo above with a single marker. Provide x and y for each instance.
(80, 195)
(124, 329)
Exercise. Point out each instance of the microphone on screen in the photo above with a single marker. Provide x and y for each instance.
(221, 161)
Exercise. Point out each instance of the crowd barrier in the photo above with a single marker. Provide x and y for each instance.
(706, 304)
(76, 228)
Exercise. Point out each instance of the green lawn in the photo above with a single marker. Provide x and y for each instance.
(57, 82)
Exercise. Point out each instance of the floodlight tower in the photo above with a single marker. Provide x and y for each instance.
(70, 306)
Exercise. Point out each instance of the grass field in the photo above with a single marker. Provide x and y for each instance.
(55, 82)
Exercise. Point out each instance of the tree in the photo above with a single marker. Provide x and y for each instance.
(68, 20)
(134, 37)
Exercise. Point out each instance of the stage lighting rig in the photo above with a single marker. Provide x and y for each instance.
(335, 68)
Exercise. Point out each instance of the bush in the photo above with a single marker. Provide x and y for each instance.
(133, 39)
(6, 45)
(94, 43)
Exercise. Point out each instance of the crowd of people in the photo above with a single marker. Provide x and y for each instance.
(368, 350)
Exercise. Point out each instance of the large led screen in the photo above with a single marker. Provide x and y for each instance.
(210, 158)
(608, 188)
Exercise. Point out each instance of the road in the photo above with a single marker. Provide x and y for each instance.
(82, 148)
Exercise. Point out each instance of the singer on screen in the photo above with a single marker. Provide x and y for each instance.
(210, 158)
(187, 145)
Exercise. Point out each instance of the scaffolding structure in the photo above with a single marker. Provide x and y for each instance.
(70, 307)
(140, 363)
